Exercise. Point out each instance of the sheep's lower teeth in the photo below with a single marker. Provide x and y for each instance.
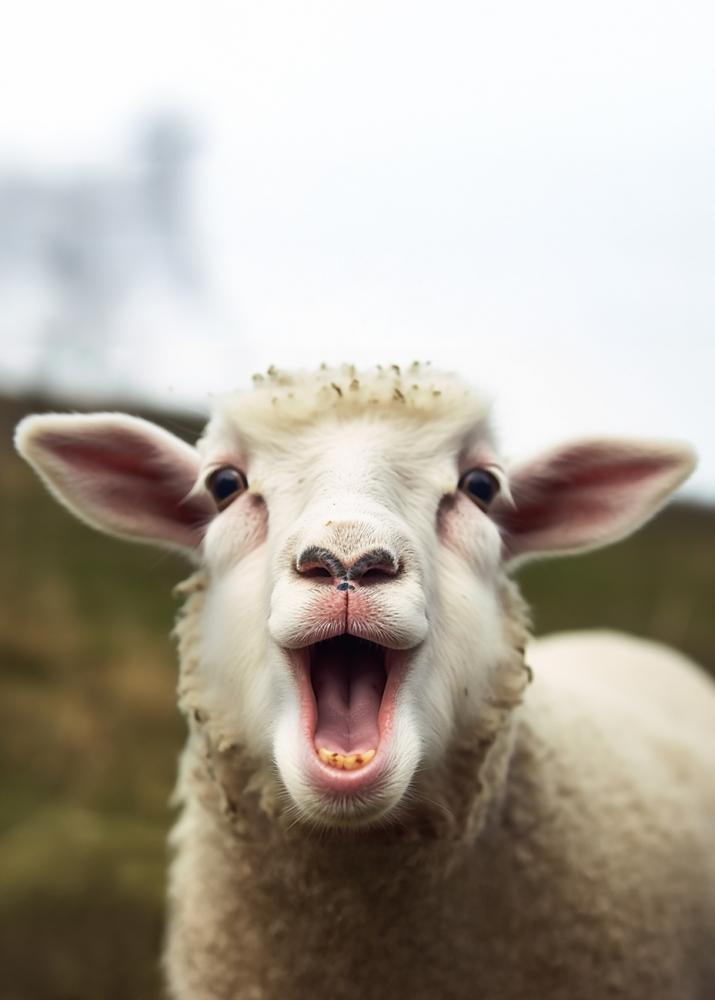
(343, 761)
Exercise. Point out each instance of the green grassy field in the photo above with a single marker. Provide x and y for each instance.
(89, 733)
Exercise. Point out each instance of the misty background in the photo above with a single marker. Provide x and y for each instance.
(191, 192)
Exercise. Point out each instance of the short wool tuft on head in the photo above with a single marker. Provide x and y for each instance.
(415, 393)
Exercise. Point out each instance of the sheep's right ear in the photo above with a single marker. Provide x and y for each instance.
(120, 474)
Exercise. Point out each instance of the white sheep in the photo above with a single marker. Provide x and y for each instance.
(375, 805)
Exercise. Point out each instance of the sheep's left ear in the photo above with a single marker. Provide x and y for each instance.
(587, 494)
(120, 474)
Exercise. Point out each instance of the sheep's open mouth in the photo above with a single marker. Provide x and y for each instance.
(348, 677)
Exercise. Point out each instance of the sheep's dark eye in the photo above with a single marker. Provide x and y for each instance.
(480, 486)
(225, 484)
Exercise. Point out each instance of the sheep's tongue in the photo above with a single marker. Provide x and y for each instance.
(348, 679)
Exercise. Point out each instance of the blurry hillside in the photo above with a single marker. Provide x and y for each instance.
(89, 732)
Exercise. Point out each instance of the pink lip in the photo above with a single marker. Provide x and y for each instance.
(332, 616)
(331, 780)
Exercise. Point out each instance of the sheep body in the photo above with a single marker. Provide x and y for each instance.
(555, 864)
(504, 840)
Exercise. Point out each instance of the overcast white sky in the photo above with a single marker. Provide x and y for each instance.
(522, 191)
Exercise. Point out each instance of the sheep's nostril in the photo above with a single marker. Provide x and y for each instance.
(317, 571)
(376, 566)
(374, 575)
(319, 563)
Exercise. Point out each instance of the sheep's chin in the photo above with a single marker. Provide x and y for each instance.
(355, 793)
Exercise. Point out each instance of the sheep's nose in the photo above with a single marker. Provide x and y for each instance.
(374, 566)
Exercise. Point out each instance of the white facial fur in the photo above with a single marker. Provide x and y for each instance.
(349, 484)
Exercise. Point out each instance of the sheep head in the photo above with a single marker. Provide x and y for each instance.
(354, 530)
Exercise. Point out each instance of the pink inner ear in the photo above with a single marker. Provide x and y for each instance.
(133, 477)
(577, 490)
(121, 474)
(587, 495)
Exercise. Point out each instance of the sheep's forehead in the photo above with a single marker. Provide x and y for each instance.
(419, 404)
